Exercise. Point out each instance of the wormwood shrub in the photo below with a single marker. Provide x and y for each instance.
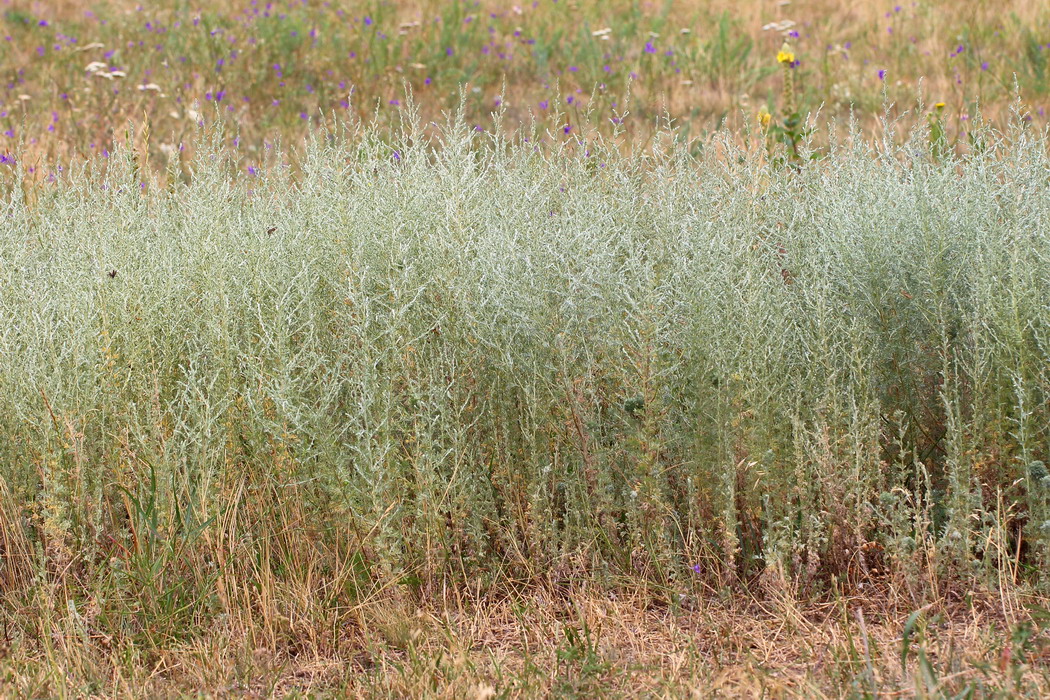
(253, 403)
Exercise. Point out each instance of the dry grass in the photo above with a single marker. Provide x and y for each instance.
(575, 642)
(721, 72)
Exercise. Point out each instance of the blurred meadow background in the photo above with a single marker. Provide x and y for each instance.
(551, 349)
(74, 73)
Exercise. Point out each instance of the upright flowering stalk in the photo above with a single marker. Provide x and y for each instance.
(786, 58)
(789, 131)
(938, 137)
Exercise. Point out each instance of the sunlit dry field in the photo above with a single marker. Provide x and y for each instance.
(74, 74)
(557, 349)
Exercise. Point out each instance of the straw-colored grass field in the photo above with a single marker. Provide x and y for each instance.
(76, 75)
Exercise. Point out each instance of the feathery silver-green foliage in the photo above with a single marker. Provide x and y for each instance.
(486, 357)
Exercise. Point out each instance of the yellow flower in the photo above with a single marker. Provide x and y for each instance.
(939, 105)
(764, 117)
(785, 55)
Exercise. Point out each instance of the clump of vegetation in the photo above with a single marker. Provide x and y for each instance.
(290, 419)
